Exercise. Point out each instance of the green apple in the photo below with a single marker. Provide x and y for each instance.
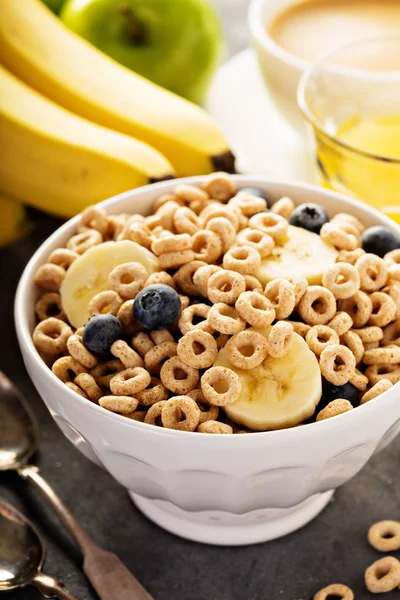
(54, 5)
(175, 43)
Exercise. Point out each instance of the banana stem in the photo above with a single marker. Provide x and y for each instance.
(136, 32)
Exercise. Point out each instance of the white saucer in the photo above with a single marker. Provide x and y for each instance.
(261, 139)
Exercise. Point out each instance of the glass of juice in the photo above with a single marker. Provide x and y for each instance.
(351, 102)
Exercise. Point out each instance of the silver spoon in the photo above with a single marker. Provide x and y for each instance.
(22, 556)
(18, 441)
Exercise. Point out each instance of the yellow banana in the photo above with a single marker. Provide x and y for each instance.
(12, 220)
(41, 51)
(59, 162)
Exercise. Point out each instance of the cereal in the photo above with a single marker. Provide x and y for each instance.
(337, 364)
(280, 339)
(160, 277)
(376, 373)
(255, 309)
(385, 536)
(130, 381)
(51, 335)
(300, 288)
(373, 272)
(178, 377)
(142, 343)
(63, 257)
(172, 243)
(391, 334)
(220, 386)
(49, 305)
(224, 229)
(252, 284)
(219, 186)
(383, 309)
(383, 575)
(188, 314)
(336, 236)
(247, 349)
(190, 193)
(342, 279)
(350, 256)
(215, 210)
(359, 380)
(394, 273)
(126, 354)
(154, 392)
(299, 327)
(392, 258)
(335, 590)
(76, 389)
(125, 315)
(104, 372)
(341, 323)
(262, 242)
(64, 366)
(208, 412)
(136, 415)
(154, 358)
(164, 198)
(225, 286)
(369, 334)
(83, 241)
(197, 349)
(184, 277)
(280, 293)
(284, 207)
(201, 277)
(334, 408)
(317, 306)
(207, 246)
(119, 404)
(186, 221)
(166, 215)
(94, 217)
(359, 307)
(390, 355)
(243, 259)
(107, 302)
(181, 413)
(139, 233)
(248, 203)
(341, 218)
(88, 385)
(153, 415)
(225, 319)
(354, 343)
(50, 277)
(319, 337)
(173, 260)
(161, 335)
(214, 427)
(393, 290)
(270, 223)
(78, 351)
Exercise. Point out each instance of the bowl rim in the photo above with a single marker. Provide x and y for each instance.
(26, 343)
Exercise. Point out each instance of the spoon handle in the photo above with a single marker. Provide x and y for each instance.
(107, 574)
(50, 587)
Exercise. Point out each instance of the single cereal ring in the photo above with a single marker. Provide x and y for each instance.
(299, 327)
(253, 285)
(173, 260)
(248, 203)
(359, 381)
(369, 334)
(255, 308)
(383, 309)
(83, 241)
(383, 575)
(64, 366)
(247, 349)
(300, 288)
(350, 256)
(280, 293)
(320, 337)
(214, 210)
(317, 306)
(171, 243)
(393, 290)
(152, 221)
(335, 373)
(207, 246)
(181, 413)
(359, 307)
(376, 373)
(371, 345)
(136, 415)
(119, 404)
(284, 207)
(336, 236)
(161, 335)
(262, 242)
(335, 590)
(125, 316)
(354, 343)
(128, 279)
(334, 408)
(63, 257)
(51, 335)
(88, 385)
(197, 349)
(104, 372)
(224, 229)
(94, 217)
(178, 377)
(186, 324)
(219, 186)
(280, 339)
(164, 198)
(225, 286)
(50, 277)
(129, 382)
(393, 273)
(76, 389)
(385, 536)
(153, 415)
(184, 277)
(342, 279)
(272, 224)
(225, 319)
(154, 358)
(391, 334)
(78, 351)
(341, 323)
(214, 427)
(243, 259)
(208, 412)
(160, 277)
(129, 357)
(373, 272)
(137, 232)
(201, 277)
(155, 392)
(49, 305)
(390, 355)
(186, 221)
(392, 257)
(107, 302)
(189, 193)
(220, 378)
(341, 218)
(166, 214)
(185, 301)
(142, 343)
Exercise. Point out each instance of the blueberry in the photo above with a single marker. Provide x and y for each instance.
(379, 240)
(101, 332)
(255, 191)
(156, 306)
(309, 216)
(332, 392)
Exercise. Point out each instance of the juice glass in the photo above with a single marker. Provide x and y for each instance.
(351, 102)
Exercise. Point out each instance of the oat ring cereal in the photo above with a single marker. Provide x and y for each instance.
(49, 305)
(383, 309)
(154, 357)
(342, 279)
(125, 316)
(78, 351)
(129, 357)
(338, 237)
(341, 323)
(220, 386)
(197, 349)
(390, 355)
(248, 203)
(63, 257)
(225, 286)
(75, 388)
(215, 210)
(225, 319)
(178, 377)
(186, 221)
(247, 349)
(223, 228)
(51, 336)
(128, 279)
(137, 232)
(154, 392)
(253, 285)
(173, 260)
(214, 427)
(335, 590)
(255, 308)
(317, 306)
(373, 272)
(334, 408)
(207, 246)
(381, 386)
(181, 413)
(50, 277)
(153, 415)
(81, 242)
(383, 575)
(166, 215)
(129, 382)
(377, 372)
(208, 412)
(359, 380)
(183, 278)
(65, 366)
(108, 302)
(300, 288)
(219, 186)
(280, 293)
(171, 243)
(87, 383)
(270, 223)
(262, 242)
(188, 314)
(94, 217)
(284, 207)
(391, 334)
(243, 259)
(321, 336)
(359, 307)
(392, 258)
(385, 536)
(337, 364)
(119, 404)
(280, 339)
(201, 277)
(346, 218)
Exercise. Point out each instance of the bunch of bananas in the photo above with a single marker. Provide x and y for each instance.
(76, 127)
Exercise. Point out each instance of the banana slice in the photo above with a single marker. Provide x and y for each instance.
(305, 254)
(281, 392)
(88, 275)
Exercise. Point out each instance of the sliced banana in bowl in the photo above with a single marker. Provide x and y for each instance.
(281, 392)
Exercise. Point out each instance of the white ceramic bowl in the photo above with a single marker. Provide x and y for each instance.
(237, 489)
